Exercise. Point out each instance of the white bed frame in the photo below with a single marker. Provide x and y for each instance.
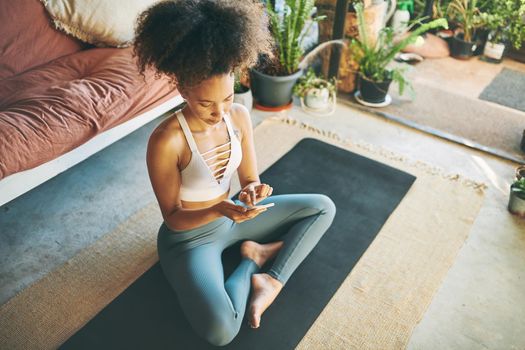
(19, 183)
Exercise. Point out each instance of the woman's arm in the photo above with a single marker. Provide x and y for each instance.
(163, 159)
(247, 170)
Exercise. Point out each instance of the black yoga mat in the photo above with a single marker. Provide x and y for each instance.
(147, 314)
(507, 89)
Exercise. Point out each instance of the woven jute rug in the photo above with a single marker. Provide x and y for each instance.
(376, 307)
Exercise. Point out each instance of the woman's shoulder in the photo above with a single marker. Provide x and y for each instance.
(240, 117)
(239, 113)
(167, 136)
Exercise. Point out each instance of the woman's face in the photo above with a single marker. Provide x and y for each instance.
(211, 99)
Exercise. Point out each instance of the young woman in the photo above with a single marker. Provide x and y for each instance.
(192, 156)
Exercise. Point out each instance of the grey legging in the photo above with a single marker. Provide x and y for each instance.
(191, 259)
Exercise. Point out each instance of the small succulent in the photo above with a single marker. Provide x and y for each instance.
(311, 81)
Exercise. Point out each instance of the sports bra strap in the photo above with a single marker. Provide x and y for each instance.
(187, 131)
(189, 135)
(229, 125)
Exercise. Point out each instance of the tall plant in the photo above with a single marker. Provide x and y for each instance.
(438, 9)
(288, 29)
(505, 19)
(374, 59)
(467, 15)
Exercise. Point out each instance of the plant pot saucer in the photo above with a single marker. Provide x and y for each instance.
(386, 102)
(329, 109)
(272, 109)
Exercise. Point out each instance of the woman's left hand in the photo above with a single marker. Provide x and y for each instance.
(253, 194)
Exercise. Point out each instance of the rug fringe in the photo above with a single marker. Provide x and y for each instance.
(420, 165)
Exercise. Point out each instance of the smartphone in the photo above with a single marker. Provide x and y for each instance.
(261, 206)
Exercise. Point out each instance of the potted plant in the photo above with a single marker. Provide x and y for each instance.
(432, 9)
(317, 95)
(505, 22)
(374, 74)
(273, 78)
(437, 8)
(517, 193)
(467, 16)
(241, 93)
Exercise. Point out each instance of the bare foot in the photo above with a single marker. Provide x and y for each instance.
(265, 290)
(260, 253)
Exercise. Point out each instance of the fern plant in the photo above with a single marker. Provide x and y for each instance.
(373, 59)
(438, 9)
(288, 30)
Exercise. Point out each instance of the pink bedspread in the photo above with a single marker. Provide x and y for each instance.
(55, 107)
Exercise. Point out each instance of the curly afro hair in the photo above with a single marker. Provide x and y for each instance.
(191, 40)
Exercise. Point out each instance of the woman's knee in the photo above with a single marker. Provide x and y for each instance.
(219, 330)
(324, 204)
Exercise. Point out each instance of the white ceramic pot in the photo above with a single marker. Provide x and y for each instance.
(494, 50)
(244, 98)
(317, 98)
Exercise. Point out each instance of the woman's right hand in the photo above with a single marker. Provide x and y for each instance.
(237, 213)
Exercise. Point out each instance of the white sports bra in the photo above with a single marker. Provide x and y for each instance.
(200, 180)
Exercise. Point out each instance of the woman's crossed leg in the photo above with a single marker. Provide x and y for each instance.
(214, 307)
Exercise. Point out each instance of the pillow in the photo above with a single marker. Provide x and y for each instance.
(99, 22)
